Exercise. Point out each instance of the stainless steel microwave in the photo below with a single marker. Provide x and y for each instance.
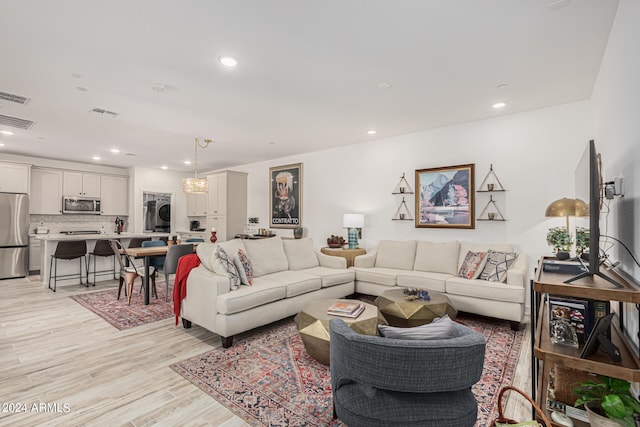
(80, 205)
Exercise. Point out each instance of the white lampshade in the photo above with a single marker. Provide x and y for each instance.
(353, 220)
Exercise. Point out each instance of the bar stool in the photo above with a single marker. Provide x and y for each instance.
(102, 249)
(67, 250)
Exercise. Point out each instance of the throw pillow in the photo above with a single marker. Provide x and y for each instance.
(244, 267)
(473, 265)
(224, 266)
(495, 270)
(440, 328)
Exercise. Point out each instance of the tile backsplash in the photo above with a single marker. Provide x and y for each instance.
(58, 223)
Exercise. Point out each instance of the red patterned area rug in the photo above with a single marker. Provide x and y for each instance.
(123, 316)
(268, 379)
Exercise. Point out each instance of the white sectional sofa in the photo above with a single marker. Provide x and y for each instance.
(287, 275)
(435, 266)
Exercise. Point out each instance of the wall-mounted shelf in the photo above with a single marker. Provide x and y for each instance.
(402, 213)
(488, 215)
(491, 184)
(403, 187)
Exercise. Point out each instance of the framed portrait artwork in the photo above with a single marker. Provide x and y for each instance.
(444, 197)
(285, 204)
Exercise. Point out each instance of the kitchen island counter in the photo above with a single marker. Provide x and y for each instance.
(50, 241)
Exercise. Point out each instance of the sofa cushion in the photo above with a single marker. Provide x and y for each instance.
(300, 254)
(377, 275)
(422, 280)
(296, 282)
(485, 290)
(266, 255)
(244, 266)
(332, 276)
(495, 270)
(473, 265)
(437, 257)
(481, 247)
(206, 251)
(440, 328)
(224, 266)
(247, 297)
(396, 254)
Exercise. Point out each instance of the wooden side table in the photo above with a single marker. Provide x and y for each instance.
(348, 254)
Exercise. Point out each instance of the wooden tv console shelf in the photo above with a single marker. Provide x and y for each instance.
(551, 355)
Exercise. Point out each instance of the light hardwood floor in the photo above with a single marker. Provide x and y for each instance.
(56, 352)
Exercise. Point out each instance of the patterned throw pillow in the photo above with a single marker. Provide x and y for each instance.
(495, 270)
(224, 266)
(244, 267)
(473, 265)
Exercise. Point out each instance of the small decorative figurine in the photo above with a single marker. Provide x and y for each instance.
(214, 237)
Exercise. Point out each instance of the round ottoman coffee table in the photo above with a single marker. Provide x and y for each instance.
(406, 314)
(313, 325)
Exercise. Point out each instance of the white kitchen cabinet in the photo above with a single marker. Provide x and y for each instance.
(227, 203)
(113, 195)
(197, 204)
(219, 222)
(81, 184)
(34, 254)
(14, 178)
(46, 191)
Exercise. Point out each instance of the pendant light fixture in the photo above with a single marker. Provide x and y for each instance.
(196, 185)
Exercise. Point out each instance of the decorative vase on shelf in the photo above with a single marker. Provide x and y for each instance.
(214, 236)
(297, 232)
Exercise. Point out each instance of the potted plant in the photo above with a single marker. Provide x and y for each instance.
(560, 239)
(609, 399)
(582, 241)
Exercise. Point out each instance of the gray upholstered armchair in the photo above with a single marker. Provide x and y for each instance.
(380, 381)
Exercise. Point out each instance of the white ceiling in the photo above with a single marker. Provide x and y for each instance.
(308, 75)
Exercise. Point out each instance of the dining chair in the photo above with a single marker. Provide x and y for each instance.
(67, 250)
(102, 249)
(171, 262)
(129, 273)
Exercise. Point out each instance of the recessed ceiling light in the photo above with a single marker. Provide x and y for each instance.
(6, 132)
(228, 61)
(41, 138)
(371, 132)
(81, 88)
(1, 144)
(272, 143)
(502, 86)
(158, 87)
(115, 150)
(96, 157)
(499, 105)
(163, 167)
(384, 85)
(187, 162)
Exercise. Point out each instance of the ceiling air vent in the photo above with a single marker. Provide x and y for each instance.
(14, 98)
(104, 113)
(15, 122)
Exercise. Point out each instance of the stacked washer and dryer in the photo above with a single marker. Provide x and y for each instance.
(157, 212)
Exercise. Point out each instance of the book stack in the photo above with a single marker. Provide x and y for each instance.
(346, 309)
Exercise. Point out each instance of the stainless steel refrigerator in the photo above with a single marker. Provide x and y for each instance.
(14, 235)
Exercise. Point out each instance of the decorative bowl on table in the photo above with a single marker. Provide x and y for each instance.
(336, 241)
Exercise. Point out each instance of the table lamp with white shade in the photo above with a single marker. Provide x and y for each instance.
(354, 223)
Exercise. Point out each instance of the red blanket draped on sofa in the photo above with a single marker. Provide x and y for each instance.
(185, 265)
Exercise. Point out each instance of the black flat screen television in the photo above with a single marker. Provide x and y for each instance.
(588, 189)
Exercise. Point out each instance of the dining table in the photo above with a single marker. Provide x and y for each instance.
(146, 254)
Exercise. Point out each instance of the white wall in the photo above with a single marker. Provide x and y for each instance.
(616, 113)
(534, 154)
